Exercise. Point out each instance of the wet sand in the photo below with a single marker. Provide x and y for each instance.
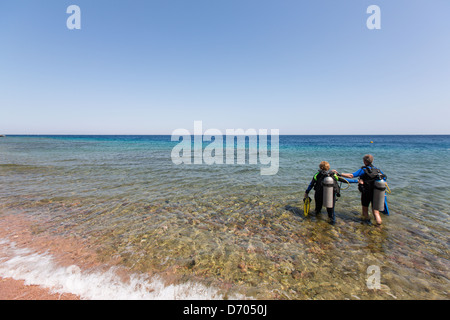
(17, 229)
(27, 240)
(11, 289)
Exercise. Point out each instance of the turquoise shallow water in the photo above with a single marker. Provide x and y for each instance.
(230, 227)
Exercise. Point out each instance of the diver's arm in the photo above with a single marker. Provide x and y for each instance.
(311, 185)
(356, 174)
(345, 175)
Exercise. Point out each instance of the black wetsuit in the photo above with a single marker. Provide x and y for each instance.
(368, 174)
(316, 183)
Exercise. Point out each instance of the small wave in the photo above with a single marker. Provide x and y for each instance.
(40, 269)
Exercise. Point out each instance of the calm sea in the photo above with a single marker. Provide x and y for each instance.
(226, 231)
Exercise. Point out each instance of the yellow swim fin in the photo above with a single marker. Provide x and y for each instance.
(306, 204)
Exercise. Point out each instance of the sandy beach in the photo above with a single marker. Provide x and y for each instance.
(11, 289)
(17, 230)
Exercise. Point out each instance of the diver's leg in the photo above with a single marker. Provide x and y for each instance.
(318, 199)
(331, 215)
(365, 213)
(377, 216)
(365, 202)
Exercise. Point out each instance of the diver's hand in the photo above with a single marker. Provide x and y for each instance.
(336, 173)
(305, 196)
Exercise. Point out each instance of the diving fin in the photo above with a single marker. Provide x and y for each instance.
(306, 205)
(386, 209)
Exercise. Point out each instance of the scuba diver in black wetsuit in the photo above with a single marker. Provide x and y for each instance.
(318, 183)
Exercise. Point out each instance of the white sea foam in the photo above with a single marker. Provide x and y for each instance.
(41, 269)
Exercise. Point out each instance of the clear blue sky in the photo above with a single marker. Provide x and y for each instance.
(149, 67)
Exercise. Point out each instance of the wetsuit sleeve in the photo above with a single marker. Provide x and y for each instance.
(358, 173)
(311, 185)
